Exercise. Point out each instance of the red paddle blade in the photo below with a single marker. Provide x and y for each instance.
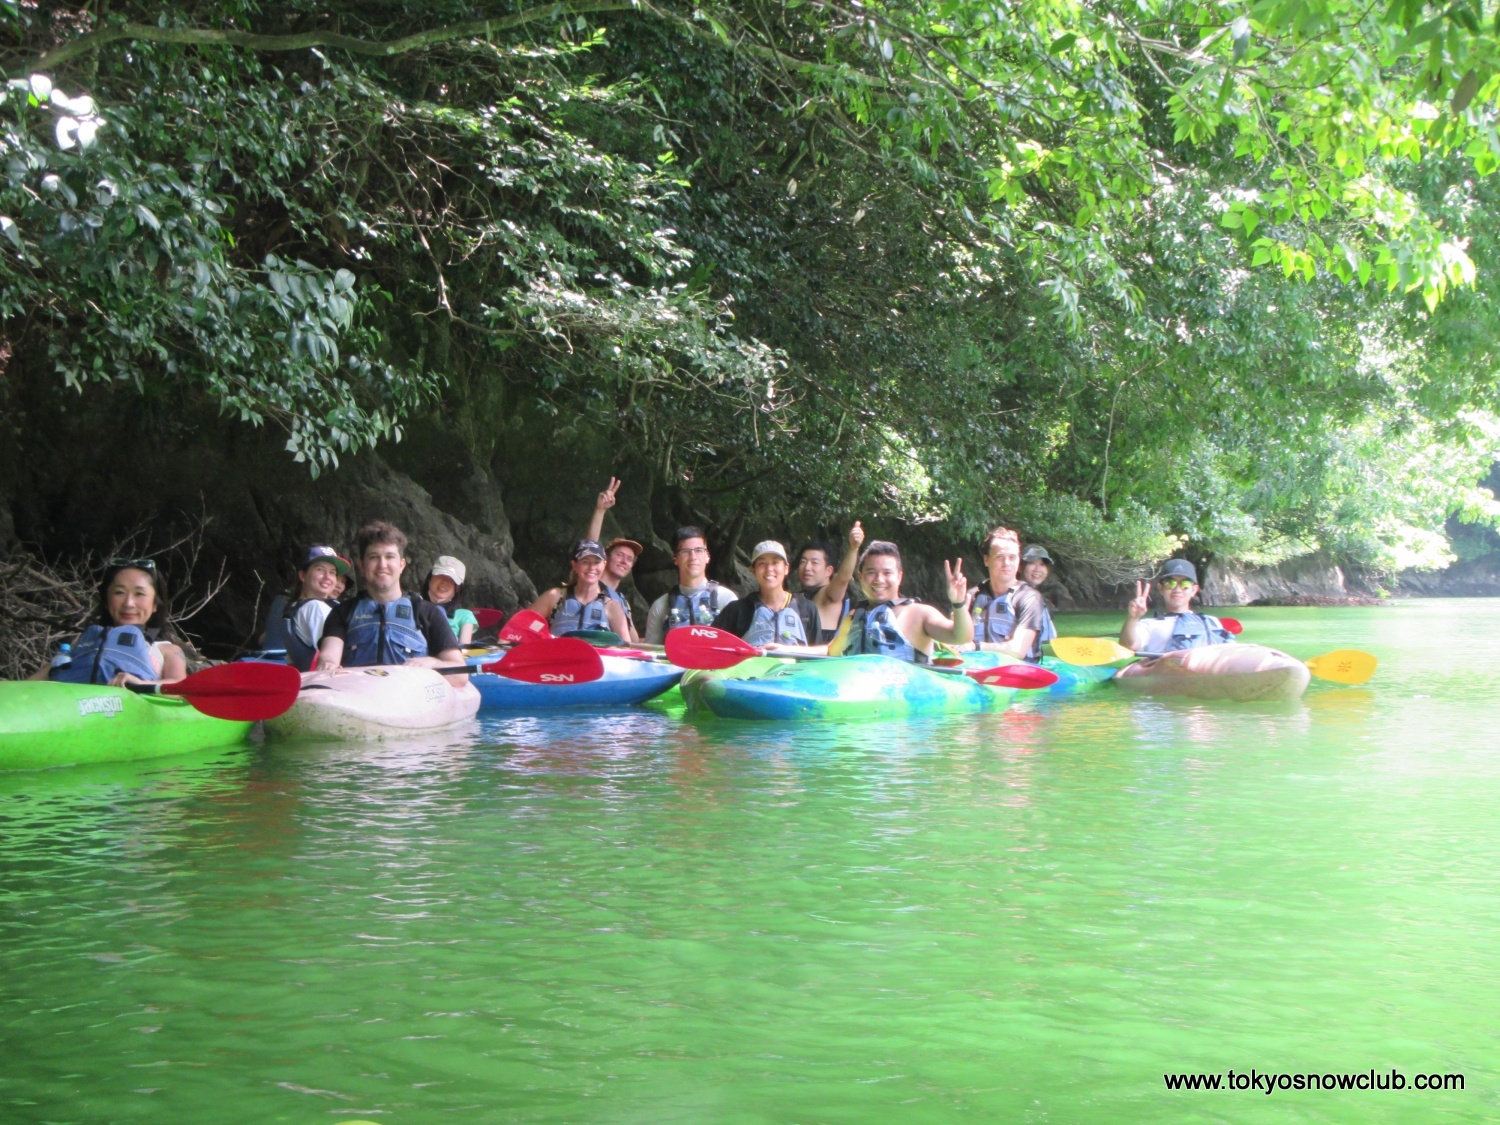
(1231, 626)
(526, 625)
(489, 618)
(552, 660)
(704, 647)
(1024, 676)
(245, 692)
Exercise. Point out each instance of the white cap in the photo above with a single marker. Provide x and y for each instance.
(449, 567)
(768, 547)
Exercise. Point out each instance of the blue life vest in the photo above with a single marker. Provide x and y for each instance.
(783, 626)
(873, 632)
(274, 634)
(572, 615)
(99, 653)
(615, 595)
(1193, 630)
(698, 608)
(995, 620)
(383, 634)
(299, 654)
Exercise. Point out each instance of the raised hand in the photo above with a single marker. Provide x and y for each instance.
(1141, 603)
(856, 536)
(958, 585)
(607, 497)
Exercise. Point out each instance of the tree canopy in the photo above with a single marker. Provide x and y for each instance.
(1127, 275)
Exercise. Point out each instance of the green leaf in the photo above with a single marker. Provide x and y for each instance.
(1429, 30)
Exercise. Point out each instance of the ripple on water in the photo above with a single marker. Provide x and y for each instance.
(617, 916)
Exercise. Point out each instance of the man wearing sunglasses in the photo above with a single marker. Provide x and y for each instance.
(1178, 627)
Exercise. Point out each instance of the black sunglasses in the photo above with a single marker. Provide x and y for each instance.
(139, 564)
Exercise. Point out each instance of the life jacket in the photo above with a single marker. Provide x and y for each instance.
(299, 654)
(572, 615)
(1194, 630)
(780, 626)
(99, 653)
(383, 633)
(274, 634)
(873, 632)
(810, 612)
(697, 608)
(995, 619)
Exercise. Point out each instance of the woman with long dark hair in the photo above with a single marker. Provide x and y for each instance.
(131, 639)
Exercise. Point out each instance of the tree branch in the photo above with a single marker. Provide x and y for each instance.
(214, 37)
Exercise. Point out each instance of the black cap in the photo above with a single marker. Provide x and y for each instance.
(588, 549)
(1035, 553)
(1178, 568)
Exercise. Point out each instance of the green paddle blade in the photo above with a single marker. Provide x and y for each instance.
(606, 638)
(1343, 666)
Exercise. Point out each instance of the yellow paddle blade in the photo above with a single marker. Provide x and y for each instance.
(1345, 666)
(1089, 652)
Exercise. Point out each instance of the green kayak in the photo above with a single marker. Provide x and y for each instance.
(846, 687)
(44, 724)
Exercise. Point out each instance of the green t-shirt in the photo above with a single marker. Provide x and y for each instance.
(461, 617)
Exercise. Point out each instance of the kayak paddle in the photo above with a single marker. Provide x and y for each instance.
(1089, 652)
(552, 660)
(489, 618)
(599, 638)
(706, 648)
(1231, 626)
(1343, 666)
(1023, 676)
(244, 692)
(527, 625)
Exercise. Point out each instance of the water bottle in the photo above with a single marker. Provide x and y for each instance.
(63, 659)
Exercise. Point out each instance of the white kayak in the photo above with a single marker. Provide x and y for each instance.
(1244, 673)
(358, 703)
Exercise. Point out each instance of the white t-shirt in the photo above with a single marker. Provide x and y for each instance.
(308, 621)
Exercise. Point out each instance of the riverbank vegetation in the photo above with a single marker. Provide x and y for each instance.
(1135, 278)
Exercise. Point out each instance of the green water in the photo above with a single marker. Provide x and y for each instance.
(620, 917)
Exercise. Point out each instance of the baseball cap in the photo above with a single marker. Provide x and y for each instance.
(768, 547)
(449, 567)
(1178, 568)
(620, 541)
(1036, 552)
(588, 549)
(341, 565)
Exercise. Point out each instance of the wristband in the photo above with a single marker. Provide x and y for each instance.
(958, 605)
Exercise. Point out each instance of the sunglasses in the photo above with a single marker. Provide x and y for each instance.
(1175, 584)
(138, 564)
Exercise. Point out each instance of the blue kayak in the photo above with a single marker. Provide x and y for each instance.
(625, 681)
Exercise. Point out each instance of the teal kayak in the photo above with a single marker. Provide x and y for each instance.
(44, 724)
(845, 687)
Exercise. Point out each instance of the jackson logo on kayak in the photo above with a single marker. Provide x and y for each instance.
(435, 692)
(101, 705)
